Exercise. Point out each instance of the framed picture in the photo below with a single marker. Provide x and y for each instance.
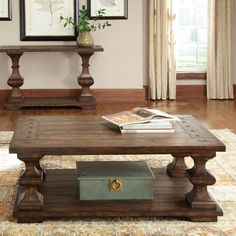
(115, 9)
(5, 9)
(40, 20)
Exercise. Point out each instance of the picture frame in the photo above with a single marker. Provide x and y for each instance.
(114, 9)
(5, 10)
(40, 21)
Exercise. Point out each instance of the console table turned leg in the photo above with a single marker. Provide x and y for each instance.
(15, 81)
(177, 167)
(200, 178)
(85, 80)
(30, 201)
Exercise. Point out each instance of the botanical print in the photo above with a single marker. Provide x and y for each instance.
(51, 7)
(113, 8)
(108, 3)
(3, 8)
(42, 17)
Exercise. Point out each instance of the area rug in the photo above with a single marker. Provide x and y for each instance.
(224, 191)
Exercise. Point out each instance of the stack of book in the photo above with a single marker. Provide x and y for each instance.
(143, 120)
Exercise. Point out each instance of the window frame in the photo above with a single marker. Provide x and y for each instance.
(191, 75)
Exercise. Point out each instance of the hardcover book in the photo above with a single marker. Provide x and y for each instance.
(142, 120)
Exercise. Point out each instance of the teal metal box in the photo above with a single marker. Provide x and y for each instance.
(115, 180)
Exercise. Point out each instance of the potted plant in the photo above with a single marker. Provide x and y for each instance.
(85, 26)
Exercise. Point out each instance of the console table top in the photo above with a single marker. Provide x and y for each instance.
(92, 135)
(50, 48)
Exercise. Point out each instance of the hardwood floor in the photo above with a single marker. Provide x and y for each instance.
(212, 114)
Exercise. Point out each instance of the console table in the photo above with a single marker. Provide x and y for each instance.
(16, 100)
(48, 194)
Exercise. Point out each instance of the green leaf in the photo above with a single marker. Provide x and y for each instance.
(85, 24)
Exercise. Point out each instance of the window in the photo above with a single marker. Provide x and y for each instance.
(190, 28)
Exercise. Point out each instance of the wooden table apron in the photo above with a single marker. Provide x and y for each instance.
(16, 100)
(178, 191)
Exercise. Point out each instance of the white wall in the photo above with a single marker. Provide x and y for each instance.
(145, 42)
(124, 64)
(120, 66)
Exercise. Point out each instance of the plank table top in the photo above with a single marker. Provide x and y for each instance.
(74, 135)
(50, 48)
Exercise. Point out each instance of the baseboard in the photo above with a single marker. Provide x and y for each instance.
(187, 91)
(191, 91)
(113, 95)
(194, 91)
(102, 95)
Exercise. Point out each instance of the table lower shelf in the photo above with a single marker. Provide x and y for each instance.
(61, 200)
(49, 102)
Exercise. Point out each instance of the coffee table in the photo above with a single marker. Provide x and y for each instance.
(49, 194)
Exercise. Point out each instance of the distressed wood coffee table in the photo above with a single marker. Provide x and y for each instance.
(50, 194)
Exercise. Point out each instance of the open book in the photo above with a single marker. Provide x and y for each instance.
(143, 120)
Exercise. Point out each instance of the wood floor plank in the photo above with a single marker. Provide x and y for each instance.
(213, 114)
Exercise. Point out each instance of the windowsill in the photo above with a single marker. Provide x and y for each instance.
(191, 75)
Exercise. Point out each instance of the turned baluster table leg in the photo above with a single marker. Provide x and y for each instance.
(15, 80)
(200, 177)
(40, 168)
(85, 80)
(30, 200)
(177, 167)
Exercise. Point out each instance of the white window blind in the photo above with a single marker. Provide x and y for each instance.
(190, 28)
